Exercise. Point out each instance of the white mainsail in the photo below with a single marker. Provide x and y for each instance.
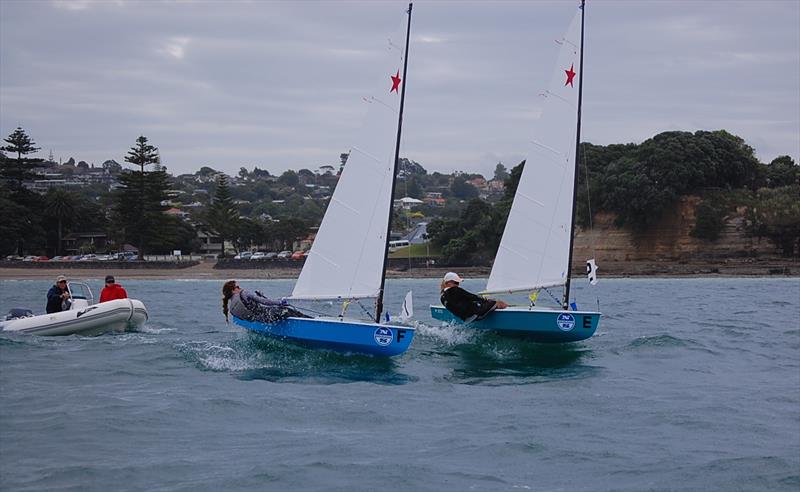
(534, 250)
(346, 259)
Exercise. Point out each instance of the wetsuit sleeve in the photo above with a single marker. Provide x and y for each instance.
(262, 299)
(469, 296)
(250, 298)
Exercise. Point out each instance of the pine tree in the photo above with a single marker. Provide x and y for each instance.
(137, 205)
(16, 170)
(223, 216)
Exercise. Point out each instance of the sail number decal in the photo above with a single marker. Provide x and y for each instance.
(565, 322)
(383, 336)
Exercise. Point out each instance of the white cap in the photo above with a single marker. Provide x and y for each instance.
(452, 276)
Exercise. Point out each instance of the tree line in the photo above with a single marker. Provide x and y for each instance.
(636, 182)
(132, 213)
(640, 182)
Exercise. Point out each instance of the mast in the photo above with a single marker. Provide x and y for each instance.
(379, 300)
(565, 302)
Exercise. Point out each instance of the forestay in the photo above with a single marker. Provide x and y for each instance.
(534, 250)
(346, 259)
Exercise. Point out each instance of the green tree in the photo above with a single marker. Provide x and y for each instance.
(710, 217)
(20, 223)
(782, 171)
(178, 234)
(143, 154)
(286, 232)
(138, 205)
(463, 190)
(473, 238)
(15, 170)
(500, 172)
(60, 205)
(251, 233)
(414, 189)
(289, 178)
(223, 216)
(775, 214)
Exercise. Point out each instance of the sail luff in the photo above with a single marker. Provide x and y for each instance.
(379, 301)
(565, 302)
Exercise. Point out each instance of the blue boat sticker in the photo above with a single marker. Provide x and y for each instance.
(383, 336)
(565, 322)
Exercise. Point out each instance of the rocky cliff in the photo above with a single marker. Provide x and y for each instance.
(668, 248)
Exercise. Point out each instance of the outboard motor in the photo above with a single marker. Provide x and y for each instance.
(17, 313)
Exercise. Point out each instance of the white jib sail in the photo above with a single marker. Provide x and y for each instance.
(346, 258)
(534, 250)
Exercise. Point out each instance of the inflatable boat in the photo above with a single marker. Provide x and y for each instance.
(80, 317)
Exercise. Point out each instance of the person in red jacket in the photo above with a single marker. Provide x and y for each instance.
(112, 290)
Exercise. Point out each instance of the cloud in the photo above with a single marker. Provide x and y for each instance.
(77, 5)
(282, 81)
(175, 47)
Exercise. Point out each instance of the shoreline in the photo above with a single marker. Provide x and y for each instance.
(772, 268)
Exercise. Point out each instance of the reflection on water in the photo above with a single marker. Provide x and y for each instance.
(495, 360)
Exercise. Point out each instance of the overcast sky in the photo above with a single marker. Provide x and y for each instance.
(277, 84)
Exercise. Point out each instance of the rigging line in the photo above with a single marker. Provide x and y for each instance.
(304, 309)
(558, 301)
(588, 200)
(369, 314)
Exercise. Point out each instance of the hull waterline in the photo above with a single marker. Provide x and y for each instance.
(341, 335)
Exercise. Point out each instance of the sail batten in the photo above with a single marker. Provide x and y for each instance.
(540, 219)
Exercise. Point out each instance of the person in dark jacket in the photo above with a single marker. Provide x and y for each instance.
(112, 290)
(56, 296)
(464, 304)
(254, 306)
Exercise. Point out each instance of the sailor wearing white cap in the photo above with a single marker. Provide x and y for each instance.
(463, 304)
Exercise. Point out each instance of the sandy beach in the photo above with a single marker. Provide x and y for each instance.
(745, 267)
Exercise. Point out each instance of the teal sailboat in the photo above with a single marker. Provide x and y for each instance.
(535, 251)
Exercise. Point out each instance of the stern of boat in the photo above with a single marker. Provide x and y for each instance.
(536, 324)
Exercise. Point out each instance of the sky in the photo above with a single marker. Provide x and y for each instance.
(277, 84)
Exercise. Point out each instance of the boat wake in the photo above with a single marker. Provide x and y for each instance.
(255, 357)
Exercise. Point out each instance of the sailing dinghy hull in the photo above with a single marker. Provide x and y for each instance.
(535, 324)
(107, 317)
(337, 334)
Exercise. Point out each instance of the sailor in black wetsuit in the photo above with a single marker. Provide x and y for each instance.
(463, 304)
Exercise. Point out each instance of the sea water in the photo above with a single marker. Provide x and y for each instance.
(689, 384)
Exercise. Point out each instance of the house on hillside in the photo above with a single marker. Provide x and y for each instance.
(407, 203)
(176, 212)
(81, 242)
(496, 185)
(434, 199)
(479, 183)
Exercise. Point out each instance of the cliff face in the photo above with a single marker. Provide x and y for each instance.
(669, 248)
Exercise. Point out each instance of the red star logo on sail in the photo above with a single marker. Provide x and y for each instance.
(570, 75)
(395, 81)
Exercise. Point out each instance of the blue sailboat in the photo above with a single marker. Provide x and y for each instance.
(347, 262)
(535, 251)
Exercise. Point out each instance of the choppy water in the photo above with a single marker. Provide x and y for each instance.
(688, 385)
